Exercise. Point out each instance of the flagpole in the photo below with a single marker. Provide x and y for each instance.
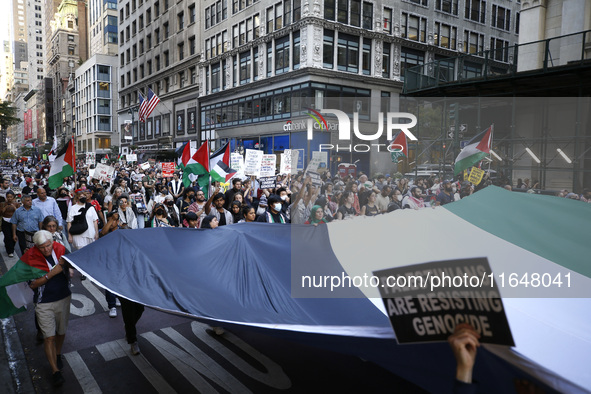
(74, 155)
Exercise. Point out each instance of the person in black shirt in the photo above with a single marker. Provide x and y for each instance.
(273, 213)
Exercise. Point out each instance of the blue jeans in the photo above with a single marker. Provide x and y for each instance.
(110, 297)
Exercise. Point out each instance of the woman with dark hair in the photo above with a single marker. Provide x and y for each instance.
(249, 215)
(159, 216)
(370, 209)
(209, 221)
(346, 209)
(235, 210)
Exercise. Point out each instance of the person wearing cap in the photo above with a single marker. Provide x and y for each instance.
(414, 200)
(222, 214)
(446, 194)
(91, 234)
(273, 213)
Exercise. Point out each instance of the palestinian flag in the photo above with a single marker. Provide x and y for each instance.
(219, 164)
(63, 166)
(15, 293)
(107, 157)
(399, 141)
(476, 150)
(194, 162)
(539, 244)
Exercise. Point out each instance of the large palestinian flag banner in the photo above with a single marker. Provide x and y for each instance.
(254, 275)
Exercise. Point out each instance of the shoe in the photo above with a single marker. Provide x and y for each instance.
(58, 379)
(219, 331)
(113, 312)
(59, 362)
(135, 349)
(117, 302)
(10, 254)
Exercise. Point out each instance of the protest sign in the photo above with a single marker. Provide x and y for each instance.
(426, 301)
(236, 162)
(285, 162)
(145, 166)
(103, 172)
(252, 162)
(90, 158)
(297, 157)
(322, 159)
(476, 176)
(131, 157)
(315, 178)
(268, 165)
(267, 182)
(167, 169)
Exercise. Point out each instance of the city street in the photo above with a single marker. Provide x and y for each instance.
(177, 355)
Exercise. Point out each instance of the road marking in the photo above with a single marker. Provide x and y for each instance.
(96, 293)
(273, 377)
(82, 373)
(223, 375)
(147, 369)
(190, 367)
(111, 351)
(87, 308)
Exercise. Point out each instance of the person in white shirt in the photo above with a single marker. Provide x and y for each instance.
(48, 205)
(91, 234)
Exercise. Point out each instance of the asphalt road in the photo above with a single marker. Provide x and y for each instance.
(177, 355)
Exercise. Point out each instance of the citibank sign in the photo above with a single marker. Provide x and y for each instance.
(303, 125)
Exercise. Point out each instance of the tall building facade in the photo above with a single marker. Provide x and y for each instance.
(159, 45)
(19, 27)
(95, 105)
(102, 27)
(35, 42)
(66, 49)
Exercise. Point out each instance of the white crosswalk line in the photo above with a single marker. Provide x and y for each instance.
(82, 373)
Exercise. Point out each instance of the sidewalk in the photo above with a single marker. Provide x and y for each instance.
(15, 376)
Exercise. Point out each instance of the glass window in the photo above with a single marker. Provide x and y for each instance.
(296, 50)
(355, 19)
(328, 49)
(329, 9)
(348, 53)
(282, 55)
(245, 67)
(367, 16)
(366, 65)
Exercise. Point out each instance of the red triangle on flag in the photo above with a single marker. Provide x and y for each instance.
(202, 155)
(484, 144)
(400, 141)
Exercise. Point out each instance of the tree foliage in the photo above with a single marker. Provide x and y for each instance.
(7, 114)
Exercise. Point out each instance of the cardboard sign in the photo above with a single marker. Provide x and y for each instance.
(236, 162)
(315, 178)
(267, 182)
(145, 166)
(252, 162)
(476, 176)
(131, 157)
(103, 172)
(90, 158)
(268, 165)
(321, 158)
(285, 162)
(167, 169)
(426, 301)
(466, 174)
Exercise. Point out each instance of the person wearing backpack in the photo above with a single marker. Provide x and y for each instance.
(82, 221)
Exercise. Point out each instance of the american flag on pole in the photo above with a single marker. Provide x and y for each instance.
(141, 110)
(147, 105)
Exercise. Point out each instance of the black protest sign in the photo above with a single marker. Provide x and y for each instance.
(267, 182)
(426, 301)
(315, 178)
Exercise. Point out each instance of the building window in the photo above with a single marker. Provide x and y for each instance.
(279, 16)
(413, 27)
(149, 62)
(192, 13)
(193, 71)
(342, 11)
(367, 16)
(517, 23)
(181, 20)
(182, 81)
(329, 9)
(148, 16)
(192, 45)
(296, 50)
(328, 49)
(297, 10)
(475, 10)
(355, 17)
(445, 35)
(141, 22)
(245, 67)
(366, 56)
(499, 50)
(269, 20)
(447, 6)
(269, 59)
(166, 59)
(157, 35)
(410, 58)
(387, 23)
(282, 55)
(181, 49)
(473, 43)
(166, 30)
(501, 18)
(424, 3)
(348, 53)
(148, 41)
(386, 60)
(215, 78)
(157, 60)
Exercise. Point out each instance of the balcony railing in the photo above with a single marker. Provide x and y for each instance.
(568, 50)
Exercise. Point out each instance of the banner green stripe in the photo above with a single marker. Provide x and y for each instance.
(531, 222)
